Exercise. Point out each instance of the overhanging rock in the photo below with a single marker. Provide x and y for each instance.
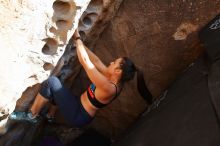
(33, 36)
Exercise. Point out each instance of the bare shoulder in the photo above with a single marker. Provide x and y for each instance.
(108, 88)
(105, 93)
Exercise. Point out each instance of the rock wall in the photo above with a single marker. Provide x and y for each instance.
(33, 36)
(92, 23)
(161, 38)
(98, 14)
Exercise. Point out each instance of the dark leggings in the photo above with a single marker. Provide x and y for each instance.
(69, 105)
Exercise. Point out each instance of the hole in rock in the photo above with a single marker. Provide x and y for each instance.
(61, 8)
(89, 19)
(63, 25)
(83, 35)
(50, 48)
(52, 30)
(48, 66)
(95, 6)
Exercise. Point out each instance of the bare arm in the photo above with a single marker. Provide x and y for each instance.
(96, 61)
(94, 75)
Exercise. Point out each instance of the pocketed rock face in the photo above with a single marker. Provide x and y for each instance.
(33, 36)
(160, 37)
(92, 23)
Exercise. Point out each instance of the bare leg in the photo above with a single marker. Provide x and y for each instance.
(38, 104)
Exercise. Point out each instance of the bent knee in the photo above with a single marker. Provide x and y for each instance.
(53, 80)
(54, 83)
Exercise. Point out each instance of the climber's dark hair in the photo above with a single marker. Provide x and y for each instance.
(128, 69)
(128, 72)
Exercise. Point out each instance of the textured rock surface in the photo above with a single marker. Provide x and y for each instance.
(99, 13)
(186, 116)
(161, 38)
(33, 36)
(92, 23)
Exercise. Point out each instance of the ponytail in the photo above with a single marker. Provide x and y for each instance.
(128, 72)
(142, 88)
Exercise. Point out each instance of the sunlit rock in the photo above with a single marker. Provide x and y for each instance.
(33, 36)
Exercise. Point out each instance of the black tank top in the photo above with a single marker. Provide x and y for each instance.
(92, 98)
